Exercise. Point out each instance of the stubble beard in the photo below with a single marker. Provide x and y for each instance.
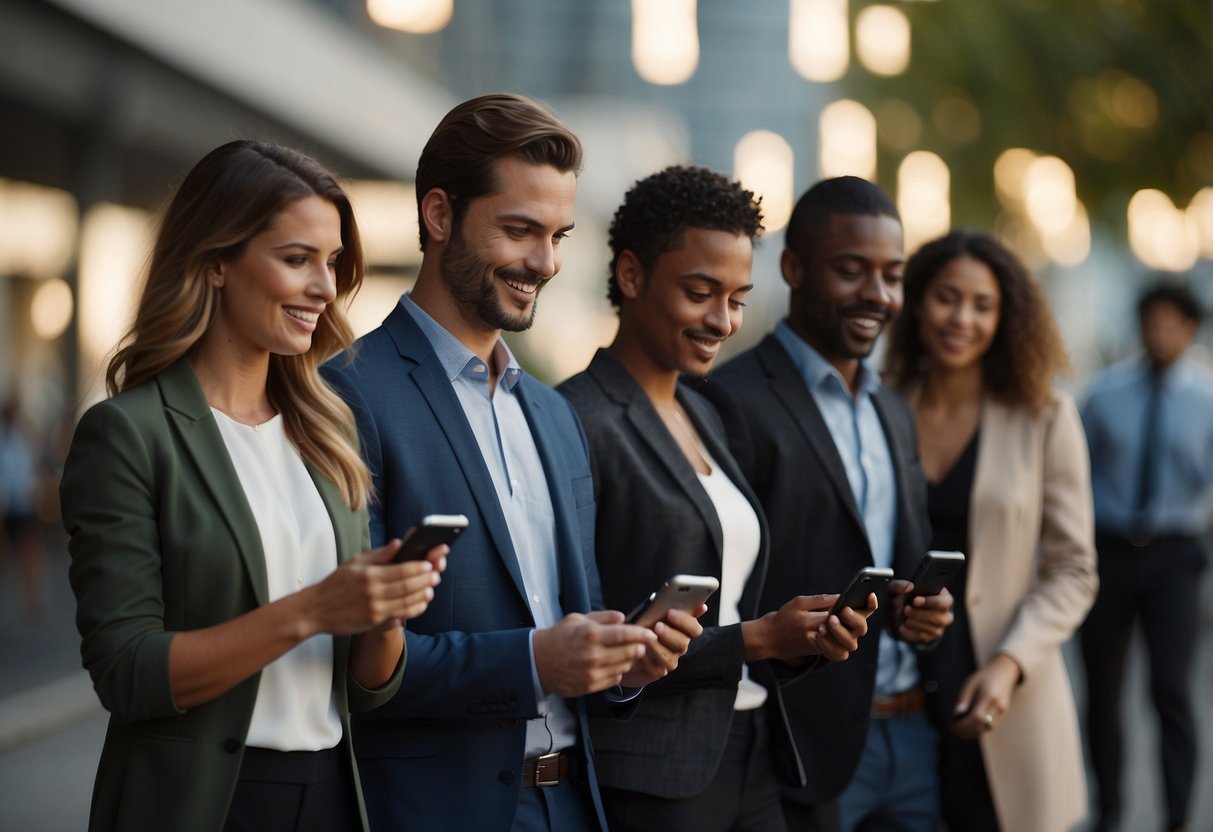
(464, 274)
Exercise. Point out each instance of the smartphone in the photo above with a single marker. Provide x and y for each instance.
(866, 580)
(433, 530)
(936, 570)
(681, 592)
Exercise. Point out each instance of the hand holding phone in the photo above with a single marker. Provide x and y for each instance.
(681, 592)
(867, 580)
(433, 530)
(936, 570)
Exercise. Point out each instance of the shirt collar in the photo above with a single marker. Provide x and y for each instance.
(456, 359)
(815, 368)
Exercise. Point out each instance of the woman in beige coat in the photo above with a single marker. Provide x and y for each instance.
(1008, 484)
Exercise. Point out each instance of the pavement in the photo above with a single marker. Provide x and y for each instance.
(52, 727)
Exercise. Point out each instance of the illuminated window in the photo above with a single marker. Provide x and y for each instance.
(762, 161)
(818, 40)
(665, 40)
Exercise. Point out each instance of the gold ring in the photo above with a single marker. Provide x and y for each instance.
(987, 719)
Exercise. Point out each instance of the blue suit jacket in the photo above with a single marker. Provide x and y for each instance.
(447, 751)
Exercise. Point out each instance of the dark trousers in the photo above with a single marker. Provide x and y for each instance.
(964, 792)
(1159, 584)
(743, 796)
(303, 791)
(812, 817)
(566, 807)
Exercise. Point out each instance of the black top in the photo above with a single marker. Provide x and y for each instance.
(948, 508)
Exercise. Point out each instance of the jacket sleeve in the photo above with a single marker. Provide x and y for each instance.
(109, 497)
(1066, 576)
(362, 698)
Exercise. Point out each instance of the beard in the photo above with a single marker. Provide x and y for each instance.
(476, 293)
(827, 326)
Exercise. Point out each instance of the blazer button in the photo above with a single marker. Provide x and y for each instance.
(231, 745)
(506, 777)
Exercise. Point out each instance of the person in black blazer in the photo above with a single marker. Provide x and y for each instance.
(700, 753)
(843, 263)
(216, 507)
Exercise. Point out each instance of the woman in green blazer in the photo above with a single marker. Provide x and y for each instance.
(217, 507)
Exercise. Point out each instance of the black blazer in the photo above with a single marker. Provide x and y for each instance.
(818, 540)
(655, 520)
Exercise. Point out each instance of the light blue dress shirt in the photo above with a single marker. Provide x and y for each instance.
(861, 443)
(509, 452)
(1114, 417)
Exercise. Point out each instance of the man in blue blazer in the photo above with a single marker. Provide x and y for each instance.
(490, 734)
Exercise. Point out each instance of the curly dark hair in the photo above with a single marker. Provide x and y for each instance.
(1027, 351)
(659, 209)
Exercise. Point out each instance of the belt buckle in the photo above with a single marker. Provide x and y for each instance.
(547, 769)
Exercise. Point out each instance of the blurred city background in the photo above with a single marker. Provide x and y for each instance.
(1081, 132)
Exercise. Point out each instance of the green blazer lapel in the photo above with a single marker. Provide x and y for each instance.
(347, 523)
(189, 412)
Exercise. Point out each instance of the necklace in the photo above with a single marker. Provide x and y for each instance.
(256, 426)
(688, 432)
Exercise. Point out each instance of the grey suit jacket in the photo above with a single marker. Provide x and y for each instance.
(655, 520)
(818, 539)
(163, 540)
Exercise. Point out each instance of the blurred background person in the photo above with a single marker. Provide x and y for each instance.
(976, 352)
(1149, 422)
(216, 507)
(701, 752)
(19, 492)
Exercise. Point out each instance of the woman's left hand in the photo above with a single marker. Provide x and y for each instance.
(985, 697)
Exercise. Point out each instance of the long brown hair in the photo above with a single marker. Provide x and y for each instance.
(1027, 352)
(229, 197)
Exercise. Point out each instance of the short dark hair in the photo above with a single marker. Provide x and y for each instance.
(1169, 290)
(841, 195)
(1027, 351)
(659, 209)
(460, 155)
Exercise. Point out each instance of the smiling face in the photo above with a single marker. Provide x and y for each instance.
(274, 292)
(507, 245)
(959, 314)
(848, 287)
(682, 309)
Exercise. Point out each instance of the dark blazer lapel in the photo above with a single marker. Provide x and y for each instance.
(189, 412)
(574, 593)
(718, 448)
(789, 388)
(621, 388)
(434, 386)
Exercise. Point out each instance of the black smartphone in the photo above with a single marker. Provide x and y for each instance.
(866, 580)
(936, 570)
(433, 530)
(681, 592)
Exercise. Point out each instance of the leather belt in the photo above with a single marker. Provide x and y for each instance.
(548, 770)
(910, 701)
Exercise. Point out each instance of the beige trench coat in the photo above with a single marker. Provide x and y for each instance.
(1031, 581)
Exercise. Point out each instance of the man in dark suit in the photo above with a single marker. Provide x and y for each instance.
(832, 456)
(703, 751)
(490, 733)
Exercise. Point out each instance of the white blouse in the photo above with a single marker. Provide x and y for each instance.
(295, 710)
(742, 539)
